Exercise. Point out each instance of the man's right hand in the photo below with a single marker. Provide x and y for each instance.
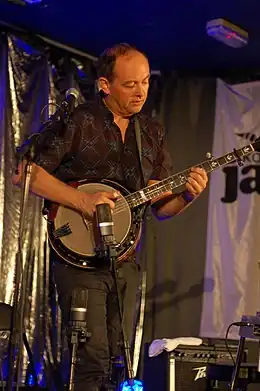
(47, 186)
(88, 202)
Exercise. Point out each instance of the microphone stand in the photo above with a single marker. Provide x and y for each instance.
(108, 249)
(112, 256)
(26, 153)
(242, 340)
(77, 328)
(79, 334)
(239, 357)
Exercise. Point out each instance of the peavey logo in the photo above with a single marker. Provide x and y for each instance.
(250, 183)
(201, 372)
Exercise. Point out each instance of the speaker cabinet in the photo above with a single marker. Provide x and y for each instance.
(187, 368)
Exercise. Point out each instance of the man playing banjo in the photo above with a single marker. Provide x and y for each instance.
(106, 148)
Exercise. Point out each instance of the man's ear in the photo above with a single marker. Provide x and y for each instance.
(103, 84)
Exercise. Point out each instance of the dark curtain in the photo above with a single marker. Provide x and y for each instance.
(28, 95)
(24, 90)
(175, 248)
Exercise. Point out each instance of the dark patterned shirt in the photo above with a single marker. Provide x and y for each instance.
(91, 146)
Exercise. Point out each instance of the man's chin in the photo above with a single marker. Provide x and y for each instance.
(136, 108)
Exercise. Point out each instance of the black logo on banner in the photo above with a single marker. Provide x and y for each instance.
(249, 180)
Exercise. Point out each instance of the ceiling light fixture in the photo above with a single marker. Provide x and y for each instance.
(226, 32)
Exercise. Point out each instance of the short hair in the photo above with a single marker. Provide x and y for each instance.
(106, 63)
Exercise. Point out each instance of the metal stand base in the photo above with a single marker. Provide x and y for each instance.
(235, 374)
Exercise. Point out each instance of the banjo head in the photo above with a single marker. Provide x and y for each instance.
(75, 237)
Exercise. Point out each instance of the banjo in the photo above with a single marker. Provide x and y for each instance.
(73, 236)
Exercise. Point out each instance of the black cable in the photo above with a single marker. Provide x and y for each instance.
(226, 342)
(238, 324)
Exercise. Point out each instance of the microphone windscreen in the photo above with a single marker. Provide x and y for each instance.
(79, 298)
(104, 214)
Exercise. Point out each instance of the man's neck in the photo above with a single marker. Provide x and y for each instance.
(120, 120)
(118, 116)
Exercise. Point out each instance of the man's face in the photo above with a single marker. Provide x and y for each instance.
(129, 88)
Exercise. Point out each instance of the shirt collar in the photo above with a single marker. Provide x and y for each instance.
(108, 114)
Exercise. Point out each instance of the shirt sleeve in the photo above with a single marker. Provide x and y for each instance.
(162, 167)
(55, 144)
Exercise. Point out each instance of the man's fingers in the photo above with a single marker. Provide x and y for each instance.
(111, 195)
(199, 171)
(110, 203)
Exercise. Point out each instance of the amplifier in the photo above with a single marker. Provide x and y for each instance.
(185, 369)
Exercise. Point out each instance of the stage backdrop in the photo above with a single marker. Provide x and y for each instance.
(176, 250)
(26, 87)
(203, 264)
(233, 234)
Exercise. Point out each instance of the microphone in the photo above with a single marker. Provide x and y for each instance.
(72, 96)
(78, 309)
(105, 223)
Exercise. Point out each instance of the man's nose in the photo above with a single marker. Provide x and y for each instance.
(140, 90)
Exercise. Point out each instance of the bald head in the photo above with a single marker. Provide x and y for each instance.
(127, 89)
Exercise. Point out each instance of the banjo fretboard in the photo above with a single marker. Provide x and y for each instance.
(177, 180)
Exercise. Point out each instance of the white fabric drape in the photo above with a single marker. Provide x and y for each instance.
(233, 236)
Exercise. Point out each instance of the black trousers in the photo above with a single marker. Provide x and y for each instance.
(103, 321)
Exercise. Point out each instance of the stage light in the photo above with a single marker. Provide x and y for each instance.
(136, 386)
(33, 1)
(226, 32)
(31, 380)
(27, 2)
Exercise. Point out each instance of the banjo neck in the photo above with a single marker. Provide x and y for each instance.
(176, 181)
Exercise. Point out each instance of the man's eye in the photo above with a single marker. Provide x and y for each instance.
(130, 85)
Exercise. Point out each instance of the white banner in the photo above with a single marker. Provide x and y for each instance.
(233, 236)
